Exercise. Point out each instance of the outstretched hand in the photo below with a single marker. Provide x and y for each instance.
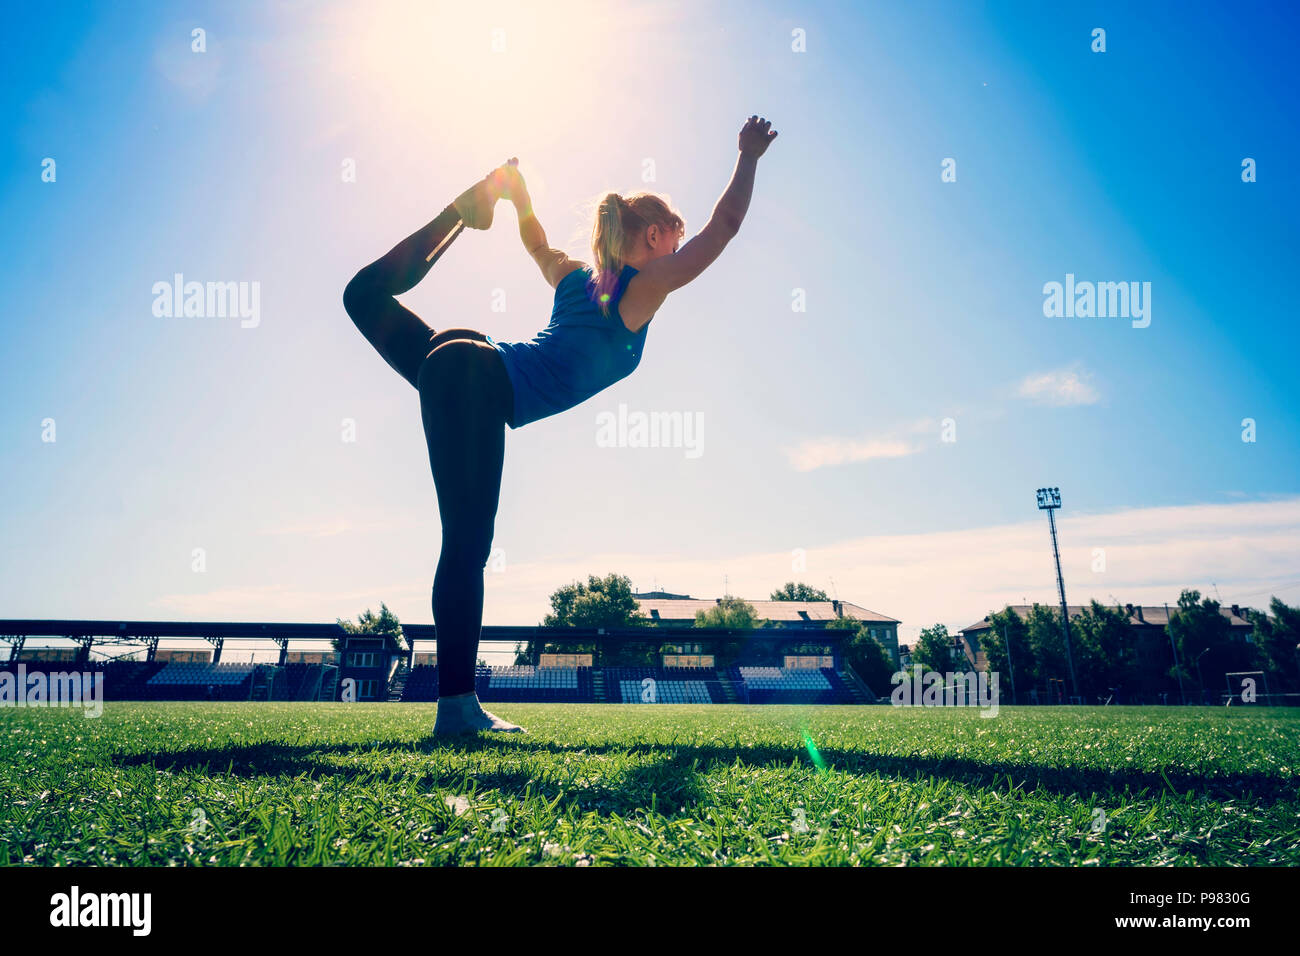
(755, 136)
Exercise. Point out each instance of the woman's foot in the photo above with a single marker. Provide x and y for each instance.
(476, 205)
(463, 715)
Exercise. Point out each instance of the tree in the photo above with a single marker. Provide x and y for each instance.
(1009, 629)
(600, 602)
(734, 613)
(1154, 673)
(933, 650)
(869, 660)
(1277, 637)
(1047, 645)
(731, 613)
(846, 623)
(1203, 637)
(1103, 659)
(791, 591)
(385, 624)
(858, 652)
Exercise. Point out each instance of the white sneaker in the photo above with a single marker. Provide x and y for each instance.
(462, 714)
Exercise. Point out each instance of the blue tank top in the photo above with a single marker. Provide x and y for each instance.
(580, 353)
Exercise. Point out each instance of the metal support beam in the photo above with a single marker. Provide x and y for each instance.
(16, 642)
(217, 643)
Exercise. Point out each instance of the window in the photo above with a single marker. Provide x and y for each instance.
(564, 660)
(808, 661)
(688, 660)
(683, 648)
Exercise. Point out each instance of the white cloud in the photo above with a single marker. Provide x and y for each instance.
(1062, 387)
(820, 452)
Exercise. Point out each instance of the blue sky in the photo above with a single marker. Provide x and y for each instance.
(821, 429)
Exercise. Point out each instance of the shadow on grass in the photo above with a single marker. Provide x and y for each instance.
(674, 778)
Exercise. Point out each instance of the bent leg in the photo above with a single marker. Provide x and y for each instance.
(447, 335)
(400, 336)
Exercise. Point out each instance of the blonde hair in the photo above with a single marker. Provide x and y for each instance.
(620, 221)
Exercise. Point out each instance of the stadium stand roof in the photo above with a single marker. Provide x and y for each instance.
(150, 629)
(118, 631)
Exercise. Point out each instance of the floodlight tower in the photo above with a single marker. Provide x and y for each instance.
(1049, 499)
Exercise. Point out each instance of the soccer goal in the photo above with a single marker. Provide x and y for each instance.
(1246, 687)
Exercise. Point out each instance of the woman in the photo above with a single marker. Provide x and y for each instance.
(471, 387)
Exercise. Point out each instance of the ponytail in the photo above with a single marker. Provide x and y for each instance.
(620, 221)
(608, 242)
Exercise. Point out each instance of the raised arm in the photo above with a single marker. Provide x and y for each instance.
(554, 263)
(667, 273)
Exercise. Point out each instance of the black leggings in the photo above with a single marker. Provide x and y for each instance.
(465, 401)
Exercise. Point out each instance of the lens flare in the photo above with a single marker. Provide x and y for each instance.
(813, 752)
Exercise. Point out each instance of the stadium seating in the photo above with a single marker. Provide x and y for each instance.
(524, 682)
(672, 685)
(296, 677)
(122, 680)
(129, 680)
(303, 681)
(784, 685)
(421, 683)
(176, 680)
(840, 690)
(202, 681)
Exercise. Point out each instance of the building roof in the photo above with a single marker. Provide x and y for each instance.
(810, 613)
(1149, 615)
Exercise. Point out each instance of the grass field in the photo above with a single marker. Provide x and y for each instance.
(295, 783)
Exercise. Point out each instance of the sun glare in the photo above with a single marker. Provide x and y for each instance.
(474, 74)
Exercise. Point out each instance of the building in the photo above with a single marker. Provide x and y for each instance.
(679, 610)
(369, 661)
